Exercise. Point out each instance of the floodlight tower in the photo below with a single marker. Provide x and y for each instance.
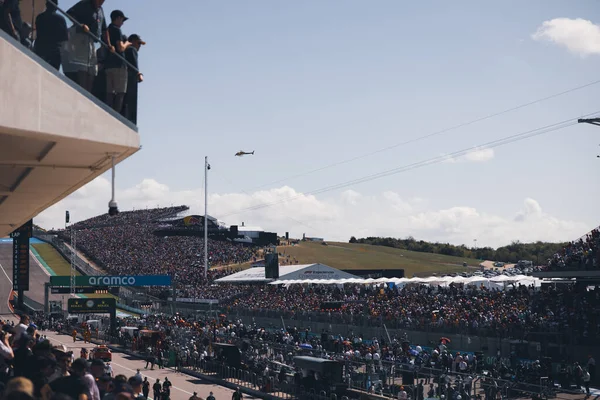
(591, 121)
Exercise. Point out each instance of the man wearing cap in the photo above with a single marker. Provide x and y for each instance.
(133, 77)
(116, 71)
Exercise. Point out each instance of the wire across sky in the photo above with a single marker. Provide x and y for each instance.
(430, 135)
(434, 160)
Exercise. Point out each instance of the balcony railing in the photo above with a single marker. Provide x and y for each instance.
(96, 41)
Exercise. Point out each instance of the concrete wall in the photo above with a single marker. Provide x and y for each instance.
(37, 99)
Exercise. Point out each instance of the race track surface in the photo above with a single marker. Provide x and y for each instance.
(37, 278)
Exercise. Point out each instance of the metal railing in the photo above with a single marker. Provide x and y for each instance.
(129, 119)
(90, 34)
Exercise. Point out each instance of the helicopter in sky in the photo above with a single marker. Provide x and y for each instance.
(244, 153)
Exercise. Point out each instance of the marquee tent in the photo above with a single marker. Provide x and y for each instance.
(297, 273)
(497, 282)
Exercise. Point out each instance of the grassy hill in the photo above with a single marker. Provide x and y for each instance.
(361, 256)
(58, 264)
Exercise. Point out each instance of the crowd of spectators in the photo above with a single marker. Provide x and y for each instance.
(378, 365)
(31, 367)
(126, 244)
(478, 311)
(130, 217)
(581, 254)
(109, 71)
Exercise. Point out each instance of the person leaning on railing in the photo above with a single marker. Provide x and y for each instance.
(79, 59)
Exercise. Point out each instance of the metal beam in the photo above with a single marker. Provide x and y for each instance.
(29, 164)
(591, 121)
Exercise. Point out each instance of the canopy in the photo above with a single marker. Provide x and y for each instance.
(497, 282)
(315, 273)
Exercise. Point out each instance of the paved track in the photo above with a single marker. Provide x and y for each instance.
(183, 385)
(37, 278)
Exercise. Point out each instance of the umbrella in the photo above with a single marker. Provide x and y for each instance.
(445, 340)
(306, 346)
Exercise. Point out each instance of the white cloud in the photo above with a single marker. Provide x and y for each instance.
(579, 36)
(476, 155)
(336, 218)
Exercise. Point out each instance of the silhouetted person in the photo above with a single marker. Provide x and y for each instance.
(51, 34)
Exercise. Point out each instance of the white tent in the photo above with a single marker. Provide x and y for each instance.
(301, 273)
(497, 282)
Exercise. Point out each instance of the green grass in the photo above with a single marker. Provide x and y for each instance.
(361, 256)
(58, 264)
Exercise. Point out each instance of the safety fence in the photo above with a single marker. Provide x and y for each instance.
(555, 334)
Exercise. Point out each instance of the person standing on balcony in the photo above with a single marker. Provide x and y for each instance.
(115, 67)
(52, 32)
(79, 60)
(133, 77)
(10, 18)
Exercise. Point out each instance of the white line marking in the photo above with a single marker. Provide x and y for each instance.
(126, 368)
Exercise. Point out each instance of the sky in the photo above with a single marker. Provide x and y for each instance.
(317, 89)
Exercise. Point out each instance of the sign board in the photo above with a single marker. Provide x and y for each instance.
(92, 306)
(79, 290)
(26, 230)
(21, 263)
(95, 281)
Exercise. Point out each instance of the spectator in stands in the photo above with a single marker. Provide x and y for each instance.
(10, 18)
(133, 78)
(79, 60)
(115, 68)
(580, 254)
(51, 34)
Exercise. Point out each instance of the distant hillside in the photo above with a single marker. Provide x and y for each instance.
(363, 256)
(538, 252)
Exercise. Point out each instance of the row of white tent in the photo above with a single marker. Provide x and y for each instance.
(497, 282)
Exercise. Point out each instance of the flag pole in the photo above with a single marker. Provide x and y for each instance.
(205, 216)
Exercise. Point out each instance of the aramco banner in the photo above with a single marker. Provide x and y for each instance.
(140, 280)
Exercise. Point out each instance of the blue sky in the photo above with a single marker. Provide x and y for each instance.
(306, 84)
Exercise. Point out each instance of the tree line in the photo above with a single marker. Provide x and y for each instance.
(538, 252)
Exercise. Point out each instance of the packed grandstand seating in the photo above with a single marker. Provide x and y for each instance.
(127, 245)
(581, 254)
(130, 217)
(470, 310)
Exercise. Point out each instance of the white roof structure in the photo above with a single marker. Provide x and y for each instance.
(302, 272)
(497, 282)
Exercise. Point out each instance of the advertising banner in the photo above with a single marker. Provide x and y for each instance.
(91, 306)
(95, 281)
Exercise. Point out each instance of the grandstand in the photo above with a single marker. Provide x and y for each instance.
(580, 259)
(128, 244)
